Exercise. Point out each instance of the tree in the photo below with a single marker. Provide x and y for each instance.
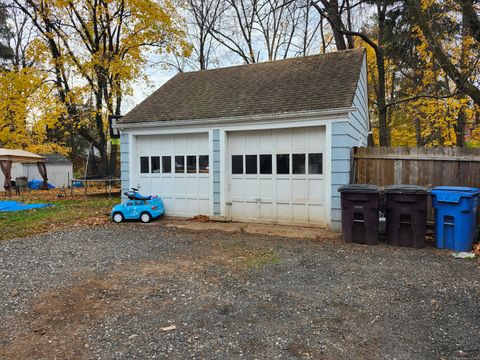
(334, 18)
(260, 30)
(27, 111)
(456, 72)
(205, 15)
(27, 107)
(333, 12)
(5, 34)
(104, 46)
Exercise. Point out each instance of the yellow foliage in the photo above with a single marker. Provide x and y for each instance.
(437, 116)
(27, 109)
(129, 38)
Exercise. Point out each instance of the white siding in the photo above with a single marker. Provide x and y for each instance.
(17, 170)
(58, 174)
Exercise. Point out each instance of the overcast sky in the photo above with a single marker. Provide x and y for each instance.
(157, 77)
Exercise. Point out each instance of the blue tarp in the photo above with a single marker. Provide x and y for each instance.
(37, 185)
(10, 206)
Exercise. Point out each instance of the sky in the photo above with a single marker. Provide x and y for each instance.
(141, 90)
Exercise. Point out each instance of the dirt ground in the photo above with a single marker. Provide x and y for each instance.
(131, 291)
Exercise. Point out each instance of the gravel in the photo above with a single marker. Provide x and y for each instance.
(134, 292)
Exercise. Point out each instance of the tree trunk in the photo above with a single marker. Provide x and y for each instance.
(460, 125)
(201, 51)
(335, 20)
(463, 84)
(380, 59)
(418, 132)
(460, 129)
(114, 148)
(102, 140)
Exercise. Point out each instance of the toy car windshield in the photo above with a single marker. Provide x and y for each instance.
(134, 195)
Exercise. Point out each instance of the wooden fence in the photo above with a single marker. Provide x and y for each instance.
(429, 167)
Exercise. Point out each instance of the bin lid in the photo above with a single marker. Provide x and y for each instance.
(463, 191)
(360, 188)
(406, 189)
(453, 194)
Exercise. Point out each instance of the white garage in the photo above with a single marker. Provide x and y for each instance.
(266, 142)
(277, 176)
(176, 167)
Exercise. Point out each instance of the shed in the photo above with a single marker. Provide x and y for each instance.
(267, 142)
(59, 170)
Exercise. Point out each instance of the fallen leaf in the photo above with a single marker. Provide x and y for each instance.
(169, 328)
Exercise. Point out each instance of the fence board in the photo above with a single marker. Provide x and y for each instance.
(418, 166)
(450, 166)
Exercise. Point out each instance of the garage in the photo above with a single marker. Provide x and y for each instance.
(268, 142)
(177, 168)
(277, 176)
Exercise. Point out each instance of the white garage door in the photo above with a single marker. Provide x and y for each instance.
(176, 167)
(277, 176)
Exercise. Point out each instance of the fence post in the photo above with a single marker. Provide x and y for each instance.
(353, 165)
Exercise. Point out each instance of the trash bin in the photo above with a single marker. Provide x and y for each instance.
(360, 213)
(455, 217)
(406, 215)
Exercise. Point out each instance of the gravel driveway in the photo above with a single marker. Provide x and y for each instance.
(137, 292)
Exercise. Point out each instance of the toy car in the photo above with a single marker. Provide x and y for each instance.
(145, 208)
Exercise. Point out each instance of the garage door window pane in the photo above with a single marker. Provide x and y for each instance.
(298, 163)
(203, 164)
(179, 164)
(237, 164)
(250, 164)
(283, 164)
(155, 164)
(166, 164)
(315, 163)
(265, 164)
(144, 164)
(191, 164)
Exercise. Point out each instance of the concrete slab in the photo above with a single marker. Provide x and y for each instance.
(202, 224)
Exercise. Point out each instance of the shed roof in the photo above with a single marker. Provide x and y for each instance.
(56, 159)
(317, 82)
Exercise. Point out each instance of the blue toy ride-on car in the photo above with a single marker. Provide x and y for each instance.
(138, 207)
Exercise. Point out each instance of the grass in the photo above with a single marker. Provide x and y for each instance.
(65, 213)
(248, 257)
(257, 259)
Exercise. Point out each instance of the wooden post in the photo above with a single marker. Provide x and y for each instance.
(353, 165)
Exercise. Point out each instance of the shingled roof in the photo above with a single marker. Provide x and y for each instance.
(316, 82)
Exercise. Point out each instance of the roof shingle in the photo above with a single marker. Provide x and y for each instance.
(316, 82)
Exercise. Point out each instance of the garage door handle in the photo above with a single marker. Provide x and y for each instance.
(228, 203)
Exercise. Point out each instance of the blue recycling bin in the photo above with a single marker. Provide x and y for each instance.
(455, 217)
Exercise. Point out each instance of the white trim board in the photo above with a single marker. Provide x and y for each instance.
(328, 115)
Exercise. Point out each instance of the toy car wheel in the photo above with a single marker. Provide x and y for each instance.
(117, 217)
(145, 217)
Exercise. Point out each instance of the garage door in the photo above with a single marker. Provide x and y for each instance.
(176, 167)
(277, 176)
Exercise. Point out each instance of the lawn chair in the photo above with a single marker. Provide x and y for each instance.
(21, 184)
